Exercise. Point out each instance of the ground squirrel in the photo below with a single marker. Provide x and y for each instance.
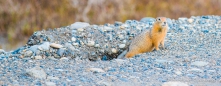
(149, 39)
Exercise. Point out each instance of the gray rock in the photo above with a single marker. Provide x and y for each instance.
(51, 57)
(44, 46)
(103, 83)
(195, 70)
(36, 72)
(95, 70)
(34, 48)
(61, 51)
(77, 25)
(50, 84)
(199, 63)
(122, 55)
(52, 78)
(28, 53)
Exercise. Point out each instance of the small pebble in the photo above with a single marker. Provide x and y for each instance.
(90, 43)
(38, 57)
(64, 58)
(122, 46)
(54, 45)
(50, 84)
(73, 39)
(107, 28)
(114, 50)
(174, 83)
(75, 44)
(80, 29)
(95, 70)
(96, 45)
(190, 20)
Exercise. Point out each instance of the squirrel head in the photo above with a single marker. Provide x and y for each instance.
(161, 21)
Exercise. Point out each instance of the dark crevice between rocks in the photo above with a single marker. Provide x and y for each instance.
(108, 57)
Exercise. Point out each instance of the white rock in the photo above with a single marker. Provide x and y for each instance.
(122, 27)
(50, 84)
(64, 58)
(37, 72)
(182, 18)
(69, 80)
(195, 70)
(114, 50)
(122, 46)
(73, 39)
(121, 37)
(124, 41)
(178, 72)
(174, 83)
(52, 78)
(125, 25)
(199, 63)
(107, 28)
(80, 29)
(75, 44)
(95, 70)
(59, 69)
(96, 45)
(38, 57)
(51, 57)
(79, 25)
(82, 43)
(90, 43)
(54, 45)
(138, 27)
(190, 20)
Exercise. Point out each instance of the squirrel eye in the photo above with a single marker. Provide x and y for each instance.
(159, 19)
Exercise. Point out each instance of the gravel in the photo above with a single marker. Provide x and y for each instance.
(84, 54)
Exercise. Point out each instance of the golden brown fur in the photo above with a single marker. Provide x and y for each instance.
(149, 39)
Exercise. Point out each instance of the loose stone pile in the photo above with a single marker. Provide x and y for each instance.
(192, 55)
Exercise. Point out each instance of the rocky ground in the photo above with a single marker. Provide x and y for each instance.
(84, 54)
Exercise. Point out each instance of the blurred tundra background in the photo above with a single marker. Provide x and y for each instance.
(20, 18)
